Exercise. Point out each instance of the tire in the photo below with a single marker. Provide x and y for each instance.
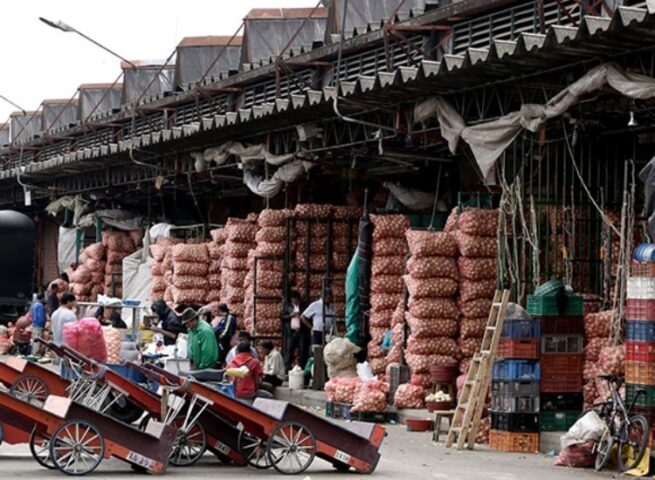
(633, 442)
(126, 413)
(30, 389)
(188, 447)
(604, 450)
(40, 449)
(77, 434)
(291, 448)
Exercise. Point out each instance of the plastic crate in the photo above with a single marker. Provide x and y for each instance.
(643, 352)
(641, 373)
(561, 383)
(398, 374)
(524, 329)
(647, 400)
(561, 344)
(516, 370)
(557, 421)
(561, 402)
(649, 413)
(515, 396)
(515, 422)
(525, 349)
(338, 410)
(641, 288)
(566, 364)
(642, 269)
(555, 305)
(640, 309)
(562, 325)
(513, 441)
(640, 331)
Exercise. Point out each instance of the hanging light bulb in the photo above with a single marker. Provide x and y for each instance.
(632, 122)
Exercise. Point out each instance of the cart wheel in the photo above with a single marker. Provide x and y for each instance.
(188, 447)
(125, 411)
(253, 449)
(77, 448)
(291, 448)
(32, 390)
(40, 448)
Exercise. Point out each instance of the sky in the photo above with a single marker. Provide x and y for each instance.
(40, 62)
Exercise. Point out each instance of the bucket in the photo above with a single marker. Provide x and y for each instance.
(296, 380)
(443, 373)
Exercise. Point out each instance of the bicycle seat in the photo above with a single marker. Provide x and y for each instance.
(207, 375)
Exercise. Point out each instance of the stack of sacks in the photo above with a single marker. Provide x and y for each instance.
(113, 342)
(309, 281)
(475, 231)
(118, 245)
(88, 279)
(161, 271)
(190, 265)
(215, 249)
(387, 287)
(597, 328)
(398, 322)
(271, 240)
(240, 239)
(432, 284)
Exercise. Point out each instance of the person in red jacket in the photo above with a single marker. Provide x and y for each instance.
(246, 387)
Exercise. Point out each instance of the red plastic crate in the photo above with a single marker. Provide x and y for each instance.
(524, 349)
(562, 325)
(514, 441)
(561, 383)
(572, 364)
(641, 373)
(640, 352)
(642, 269)
(636, 309)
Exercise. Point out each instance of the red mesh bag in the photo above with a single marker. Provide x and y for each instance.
(190, 253)
(241, 232)
(387, 284)
(158, 252)
(478, 221)
(472, 290)
(472, 246)
(381, 318)
(477, 268)
(272, 235)
(390, 247)
(430, 288)
(271, 249)
(432, 346)
(426, 308)
(383, 302)
(188, 281)
(313, 210)
(409, 396)
(388, 266)
(473, 327)
(95, 251)
(118, 241)
(190, 268)
(470, 346)
(273, 218)
(431, 267)
(476, 308)
(432, 327)
(389, 226)
(219, 235)
(237, 249)
(430, 244)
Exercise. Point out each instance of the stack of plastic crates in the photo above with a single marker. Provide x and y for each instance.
(515, 388)
(562, 360)
(640, 345)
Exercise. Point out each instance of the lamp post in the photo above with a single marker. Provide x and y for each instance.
(64, 27)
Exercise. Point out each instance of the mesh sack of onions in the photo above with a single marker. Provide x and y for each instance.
(118, 241)
(271, 235)
(431, 267)
(219, 236)
(381, 318)
(598, 325)
(477, 268)
(476, 308)
(381, 284)
(430, 244)
(313, 210)
(240, 231)
(470, 346)
(433, 307)
(430, 288)
(273, 218)
(409, 396)
(473, 246)
(470, 290)
(188, 281)
(370, 396)
(611, 360)
(473, 327)
(386, 226)
(432, 327)
(432, 346)
(341, 390)
(190, 268)
(479, 222)
(389, 247)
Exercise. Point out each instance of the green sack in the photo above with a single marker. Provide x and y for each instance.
(352, 300)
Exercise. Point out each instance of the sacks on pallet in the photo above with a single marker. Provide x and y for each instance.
(370, 396)
(88, 279)
(409, 396)
(240, 239)
(189, 280)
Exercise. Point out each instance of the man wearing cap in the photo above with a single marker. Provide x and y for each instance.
(203, 350)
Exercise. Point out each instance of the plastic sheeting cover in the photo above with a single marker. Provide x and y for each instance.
(25, 127)
(362, 12)
(193, 62)
(57, 115)
(105, 101)
(266, 38)
(4, 135)
(119, 219)
(136, 276)
(137, 80)
(66, 248)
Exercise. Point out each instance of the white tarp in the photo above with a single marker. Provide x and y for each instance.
(119, 219)
(136, 275)
(66, 248)
(489, 140)
(76, 204)
(410, 198)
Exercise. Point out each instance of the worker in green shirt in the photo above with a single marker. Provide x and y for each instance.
(203, 350)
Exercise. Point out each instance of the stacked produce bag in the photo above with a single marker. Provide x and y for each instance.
(118, 245)
(214, 248)
(312, 219)
(345, 235)
(161, 271)
(263, 311)
(432, 284)
(240, 236)
(387, 286)
(597, 332)
(475, 231)
(88, 279)
(190, 266)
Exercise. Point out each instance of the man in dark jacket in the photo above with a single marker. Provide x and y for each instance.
(295, 332)
(224, 331)
(171, 325)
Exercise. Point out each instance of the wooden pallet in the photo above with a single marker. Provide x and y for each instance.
(466, 422)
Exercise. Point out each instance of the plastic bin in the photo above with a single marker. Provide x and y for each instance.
(640, 309)
(525, 349)
(564, 364)
(561, 402)
(516, 370)
(561, 344)
(643, 352)
(562, 325)
(553, 306)
(515, 422)
(515, 396)
(640, 331)
(640, 373)
(523, 329)
(561, 383)
(642, 269)
(647, 400)
(641, 288)
(557, 421)
(513, 441)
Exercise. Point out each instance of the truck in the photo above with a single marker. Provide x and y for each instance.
(17, 264)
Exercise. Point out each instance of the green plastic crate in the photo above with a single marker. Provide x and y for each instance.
(557, 421)
(647, 400)
(549, 306)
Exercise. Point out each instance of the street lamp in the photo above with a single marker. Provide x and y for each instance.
(64, 27)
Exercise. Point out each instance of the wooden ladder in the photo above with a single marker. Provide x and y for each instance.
(466, 422)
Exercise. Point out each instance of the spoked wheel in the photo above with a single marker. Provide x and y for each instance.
(253, 449)
(189, 446)
(77, 448)
(32, 390)
(40, 448)
(633, 442)
(291, 448)
(604, 450)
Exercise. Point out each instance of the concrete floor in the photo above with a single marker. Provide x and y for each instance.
(404, 456)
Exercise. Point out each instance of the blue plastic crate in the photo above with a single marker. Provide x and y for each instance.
(639, 331)
(516, 370)
(522, 328)
(128, 372)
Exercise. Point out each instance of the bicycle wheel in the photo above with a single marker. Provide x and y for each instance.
(603, 450)
(633, 442)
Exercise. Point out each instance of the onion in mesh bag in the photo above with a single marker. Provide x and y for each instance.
(432, 327)
(238, 249)
(240, 231)
(381, 318)
(313, 210)
(378, 365)
(390, 247)
(377, 334)
(341, 390)
(219, 235)
(409, 396)
(374, 350)
(383, 302)
(429, 244)
(272, 249)
(95, 251)
(473, 289)
(477, 268)
(189, 281)
(430, 288)
(598, 325)
(422, 380)
(479, 222)
(190, 268)
(370, 396)
(388, 266)
(272, 235)
(433, 307)
(387, 284)
(593, 348)
(473, 327)
(432, 346)
(611, 360)
(422, 363)
(273, 218)
(476, 308)
(386, 226)
(470, 346)
(472, 246)
(431, 267)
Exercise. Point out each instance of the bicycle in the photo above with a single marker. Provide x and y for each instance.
(629, 432)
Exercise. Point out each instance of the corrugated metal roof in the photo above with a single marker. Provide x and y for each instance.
(282, 13)
(100, 86)
(211, 41)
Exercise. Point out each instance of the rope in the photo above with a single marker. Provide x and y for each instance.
(436, 200)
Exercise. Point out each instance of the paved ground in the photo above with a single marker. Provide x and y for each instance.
(404, 456)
